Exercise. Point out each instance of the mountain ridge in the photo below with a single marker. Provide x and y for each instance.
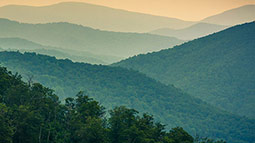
(192, 32)
(86, 39)
(60, 3)
(234, 16)
(114, 86)
(23, 45)
(137, 22)
(217, 68)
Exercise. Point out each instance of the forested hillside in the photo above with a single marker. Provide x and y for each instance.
(31, 113)
(220, 68)
(114, 86)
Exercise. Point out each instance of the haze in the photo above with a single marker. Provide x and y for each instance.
(183, 9)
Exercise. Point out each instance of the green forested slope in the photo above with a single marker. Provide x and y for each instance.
(220, 68)
(32, 113)
(114, 86)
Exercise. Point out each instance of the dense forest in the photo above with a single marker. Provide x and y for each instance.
(115, 86)
(115, 72)
(32, 113)
(218, 69)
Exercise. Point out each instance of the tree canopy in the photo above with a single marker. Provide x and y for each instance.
(32, 113)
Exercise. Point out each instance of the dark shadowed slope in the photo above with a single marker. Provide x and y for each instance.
(114, 86)
(234, 16)
(190, 33)
(79, 38)
(91, 15)
(219, 68)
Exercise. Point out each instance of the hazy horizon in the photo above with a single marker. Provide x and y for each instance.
(191, 11)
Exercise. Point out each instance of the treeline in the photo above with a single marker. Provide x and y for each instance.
(32, 113)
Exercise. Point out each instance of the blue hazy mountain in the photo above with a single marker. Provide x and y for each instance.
(84, 39)
(190, 33)
(22, 45)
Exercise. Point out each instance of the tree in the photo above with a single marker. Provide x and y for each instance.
(123, 125)
(93, 131)
(6, 130)
(128, 127)
(207, 140)
(180, 136)
(85, 120)
(26, 124)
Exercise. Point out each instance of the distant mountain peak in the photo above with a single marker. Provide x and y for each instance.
(95, 16)
(191, 32)
(233, 16)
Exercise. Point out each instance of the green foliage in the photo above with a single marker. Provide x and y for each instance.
(178, 135)
(41, 118)
(218, 69)
(114, 86)
(85, 120)
(6, 130)
(206, 140)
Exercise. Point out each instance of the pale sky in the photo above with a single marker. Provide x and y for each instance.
(182, 9)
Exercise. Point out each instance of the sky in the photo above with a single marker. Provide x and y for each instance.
(192, 10)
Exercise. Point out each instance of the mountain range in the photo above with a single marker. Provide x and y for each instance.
(218, 68)
(110, 19)
(115, 86)
(23, 45)
(211, 24)
(198, 75)
(234, 16)
(190, 33)
(98, 17)
(105, 18)
(84, 39)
